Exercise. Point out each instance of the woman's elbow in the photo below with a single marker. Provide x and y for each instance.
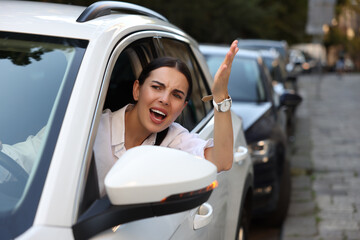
(226, 166)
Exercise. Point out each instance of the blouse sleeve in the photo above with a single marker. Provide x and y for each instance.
(25, 153)
(180, 138)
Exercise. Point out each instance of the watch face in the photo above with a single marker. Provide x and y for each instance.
(225, 106)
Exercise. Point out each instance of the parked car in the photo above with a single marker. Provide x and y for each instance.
(61, 65)
(265, 44)
(280, 46)
(297, 62)
(264, 118)
(278, 74)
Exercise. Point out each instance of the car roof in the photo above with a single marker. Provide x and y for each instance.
(264, 42)
(223, 49)
(54, 19)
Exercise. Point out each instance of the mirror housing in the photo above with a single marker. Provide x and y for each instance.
(148, 181)
(290, 99)
(152, 173)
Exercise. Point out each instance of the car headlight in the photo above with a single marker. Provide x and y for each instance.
(261, 151)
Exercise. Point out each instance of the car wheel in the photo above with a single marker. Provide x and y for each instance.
(244, 220)
(277, 217)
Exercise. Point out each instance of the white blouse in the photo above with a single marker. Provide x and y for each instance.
(110, 142)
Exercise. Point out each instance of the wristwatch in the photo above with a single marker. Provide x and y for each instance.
(224, 105)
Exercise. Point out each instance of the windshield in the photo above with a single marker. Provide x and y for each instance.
(245, 79)
(36, 75)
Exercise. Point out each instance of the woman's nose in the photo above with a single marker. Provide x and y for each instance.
(164, 98)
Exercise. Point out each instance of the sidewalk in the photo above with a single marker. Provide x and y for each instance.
(325, 161)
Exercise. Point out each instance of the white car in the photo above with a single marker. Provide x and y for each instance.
(61, 65)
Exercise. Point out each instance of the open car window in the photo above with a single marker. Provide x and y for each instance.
(196, 110)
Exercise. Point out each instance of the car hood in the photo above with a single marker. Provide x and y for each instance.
(250, 112)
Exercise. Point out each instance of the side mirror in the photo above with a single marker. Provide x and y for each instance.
(290, 99)
(148, 181)
(151, 174)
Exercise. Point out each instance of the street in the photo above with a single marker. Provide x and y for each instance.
(325, 164)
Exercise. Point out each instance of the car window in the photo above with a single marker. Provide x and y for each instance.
(136, 56)
(196, 109)
(267, 81)
(245, 79)
(127, 69)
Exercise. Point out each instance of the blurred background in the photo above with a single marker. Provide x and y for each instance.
(322, 31)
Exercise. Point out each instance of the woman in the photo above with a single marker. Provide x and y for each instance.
(161, 93)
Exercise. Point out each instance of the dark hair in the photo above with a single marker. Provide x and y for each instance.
(167, 62)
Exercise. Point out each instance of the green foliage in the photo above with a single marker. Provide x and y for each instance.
(335, 37)
(221, 21)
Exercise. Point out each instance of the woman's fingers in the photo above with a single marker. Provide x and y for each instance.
(221, 78)
(226, 65)
(231, 53)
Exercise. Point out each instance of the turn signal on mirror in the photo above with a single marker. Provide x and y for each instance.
(212, 186)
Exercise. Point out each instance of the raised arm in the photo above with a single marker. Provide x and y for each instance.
(222, 152)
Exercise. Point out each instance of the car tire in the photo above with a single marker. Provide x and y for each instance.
(243, 227)
(277, 217)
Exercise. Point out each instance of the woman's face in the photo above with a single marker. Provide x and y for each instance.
(161, 98)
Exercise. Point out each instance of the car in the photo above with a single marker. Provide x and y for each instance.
(282, 47)
(276, 67)
(266, 44)
(61, 66)
(264, 119)
(297, 62)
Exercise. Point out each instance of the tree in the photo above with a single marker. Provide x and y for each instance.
(221, 21)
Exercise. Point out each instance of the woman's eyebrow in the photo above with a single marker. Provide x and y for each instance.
(157, 82)
(163, 85)
(179, 91)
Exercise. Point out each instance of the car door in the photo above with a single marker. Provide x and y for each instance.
(125, 64)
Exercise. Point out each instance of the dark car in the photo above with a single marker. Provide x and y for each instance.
(276, 67)
(264, 44)
(264, 119)
(280, 46)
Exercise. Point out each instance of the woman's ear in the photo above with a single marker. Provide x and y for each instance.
(136, 90)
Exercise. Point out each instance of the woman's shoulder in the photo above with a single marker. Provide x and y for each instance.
(177, 130)
(177, 127)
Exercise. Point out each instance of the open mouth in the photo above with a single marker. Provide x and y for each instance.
(158, 115)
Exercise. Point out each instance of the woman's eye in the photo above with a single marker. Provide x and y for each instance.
(178, 96)
(156, 87)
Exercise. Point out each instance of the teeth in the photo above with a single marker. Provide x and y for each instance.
(158, 112)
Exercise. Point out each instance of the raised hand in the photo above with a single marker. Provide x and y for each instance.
(221, 79)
